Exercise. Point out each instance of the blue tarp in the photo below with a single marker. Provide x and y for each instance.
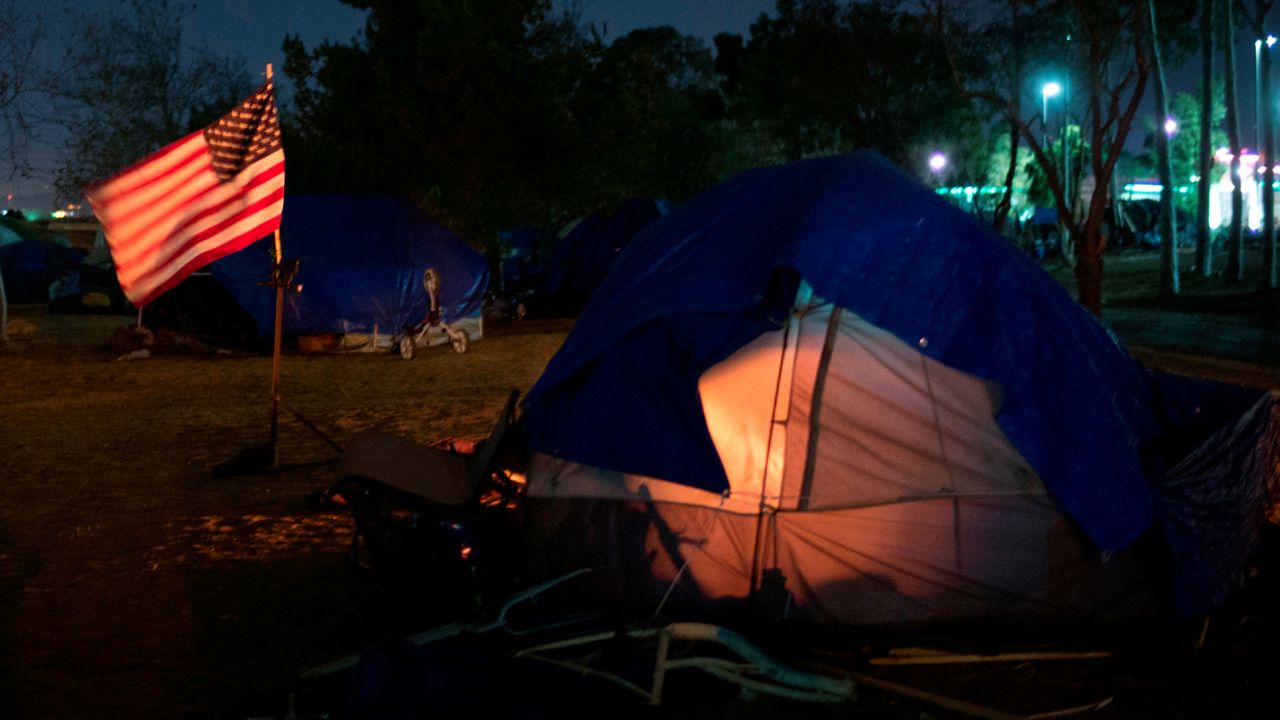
(362, 261)
(583, 257)
(692, 287)
(31, 267)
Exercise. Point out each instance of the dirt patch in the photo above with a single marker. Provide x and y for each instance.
(132, 583)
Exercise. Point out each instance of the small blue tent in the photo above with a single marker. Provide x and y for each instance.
(825, 369)
(36, 270)
(362, 263)
(583, 257)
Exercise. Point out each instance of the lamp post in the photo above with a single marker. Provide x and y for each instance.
(1050, 89)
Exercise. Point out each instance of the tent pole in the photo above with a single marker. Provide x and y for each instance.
(758, 544)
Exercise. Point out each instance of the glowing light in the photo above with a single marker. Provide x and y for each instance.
(1051, 89)
(58, 214)
(937, 162)
(1271, 40)
(1170, 126)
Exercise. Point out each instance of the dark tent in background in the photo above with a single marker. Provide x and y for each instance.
(363, 260)
(94, 287)
(518, 266)
(36, 264)
(822, 381)
(584, 255)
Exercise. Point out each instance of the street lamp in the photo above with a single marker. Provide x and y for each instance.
(937, 162)
(1170, 127)
(1050, 89)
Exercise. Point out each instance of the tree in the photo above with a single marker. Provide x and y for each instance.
(823, 76)
(1168, 230)
(1106, 44)
(465, 108)
(1235, 240)
(1204, 154)
(996, 54)
(135, 86)
(1257, 20)
(21, 78)
(650, 116)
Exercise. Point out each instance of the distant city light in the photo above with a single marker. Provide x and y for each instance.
(937, 162)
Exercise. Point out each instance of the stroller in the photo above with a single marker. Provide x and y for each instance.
(421, 335)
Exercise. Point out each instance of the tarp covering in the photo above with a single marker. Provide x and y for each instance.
(715, 273)
(583, 257)
(362, 263)
(34, 270)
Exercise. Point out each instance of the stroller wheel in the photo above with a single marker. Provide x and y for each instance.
(406, 347)
(459, 339)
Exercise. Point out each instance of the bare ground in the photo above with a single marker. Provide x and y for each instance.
(133, 584)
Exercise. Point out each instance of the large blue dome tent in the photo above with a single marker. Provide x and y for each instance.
(822, 377)
(362, 264)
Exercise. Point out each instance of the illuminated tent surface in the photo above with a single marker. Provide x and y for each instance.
(362, 263)
(823, 374)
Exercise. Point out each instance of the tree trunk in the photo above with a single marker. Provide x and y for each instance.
(1168, 230)
(1006, 199)
(1204, 245)
(1235, 241)
(1090, 244)
(1269, 175)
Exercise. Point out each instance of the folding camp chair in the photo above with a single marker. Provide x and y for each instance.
(430, 517)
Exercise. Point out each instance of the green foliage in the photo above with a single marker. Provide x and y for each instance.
(492, 112)
(822, 76)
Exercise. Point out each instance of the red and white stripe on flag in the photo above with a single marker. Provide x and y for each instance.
(172, 213)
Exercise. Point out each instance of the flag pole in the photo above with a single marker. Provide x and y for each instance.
(277, 277)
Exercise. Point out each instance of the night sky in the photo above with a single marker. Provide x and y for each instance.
(253, 30)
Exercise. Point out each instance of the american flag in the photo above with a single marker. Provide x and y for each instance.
(208, 195)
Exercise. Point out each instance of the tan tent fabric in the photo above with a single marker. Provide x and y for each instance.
(869, 478)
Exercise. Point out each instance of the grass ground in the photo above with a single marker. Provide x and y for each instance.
(1132, 280)
(133, 584)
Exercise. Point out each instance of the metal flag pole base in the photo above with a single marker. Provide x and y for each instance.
(261, 458)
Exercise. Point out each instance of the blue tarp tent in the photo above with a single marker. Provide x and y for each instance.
(35, 270)
(362, 263)
(583, 257)
(957, 376)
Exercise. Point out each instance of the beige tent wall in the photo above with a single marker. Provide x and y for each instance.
(870, 478)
